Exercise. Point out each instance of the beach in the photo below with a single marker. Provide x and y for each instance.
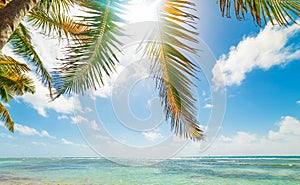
(193, 170)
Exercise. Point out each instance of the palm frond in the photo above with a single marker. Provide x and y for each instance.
(5, 117)
(22, 46)
(85, 64)
(5, 95)
(13, 84)
(7, 63)
(57, 23)
(13, 81)
(57, 5)
(172, 69)
(281, 11)
(3, 3)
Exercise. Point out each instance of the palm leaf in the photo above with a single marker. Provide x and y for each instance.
(12, 84)
(85, 64)
(13, 81)
(9, 64)
(172, 69)
(57, 5)
(3, 3)
(22, 46)
(5, 117)
(56, 23)
(281, 11)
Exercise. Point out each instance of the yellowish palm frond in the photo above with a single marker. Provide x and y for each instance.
(5, 117)
(173, 69)
(276, 11)
(7, 63)
(57, 24)
(13, 82)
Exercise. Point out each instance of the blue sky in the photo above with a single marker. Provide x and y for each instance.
(262, 117)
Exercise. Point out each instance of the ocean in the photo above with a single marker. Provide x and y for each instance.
(187, 171)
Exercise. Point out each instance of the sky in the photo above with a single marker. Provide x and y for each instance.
(259, 67)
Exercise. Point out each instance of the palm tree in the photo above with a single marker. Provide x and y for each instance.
(18, 35)
(13, 82)
(51, 16)
(92, 43)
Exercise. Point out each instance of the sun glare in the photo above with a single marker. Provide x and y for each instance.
(142, 10)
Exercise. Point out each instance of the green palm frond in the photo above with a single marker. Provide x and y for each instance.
(22, 46)
(5, 94)
(57, 5)
(14, 84)
(172, 69)
(281, 11)
(85, 64)
(7, 63)
(57, 23)
(13, 81)
(5, 117)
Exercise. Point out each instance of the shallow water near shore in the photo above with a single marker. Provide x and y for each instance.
(197, 170)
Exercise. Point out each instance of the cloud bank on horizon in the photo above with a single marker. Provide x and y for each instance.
(282, 141)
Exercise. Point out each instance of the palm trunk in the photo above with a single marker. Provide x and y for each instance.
(11, 16)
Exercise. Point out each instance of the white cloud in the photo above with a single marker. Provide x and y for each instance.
(28, 131)
(284, 141)
(270, 47)
(289, 127)
(152, 135)
(40, 101)
(130, 68)
(94, 125)
(3, 135)
(78, 119)
(244, 137)
(38, 143)
(225, 139)
(208, 98)
(67, 142)
(208, 106)
(50, 52)
(62, 117)
(106, 90)
(88, 109)
(102, 137)
(298, 102)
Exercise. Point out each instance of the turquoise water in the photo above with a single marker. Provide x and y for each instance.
(207, 170)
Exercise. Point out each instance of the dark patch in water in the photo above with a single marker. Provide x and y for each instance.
(206, 167)
(10, 178)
